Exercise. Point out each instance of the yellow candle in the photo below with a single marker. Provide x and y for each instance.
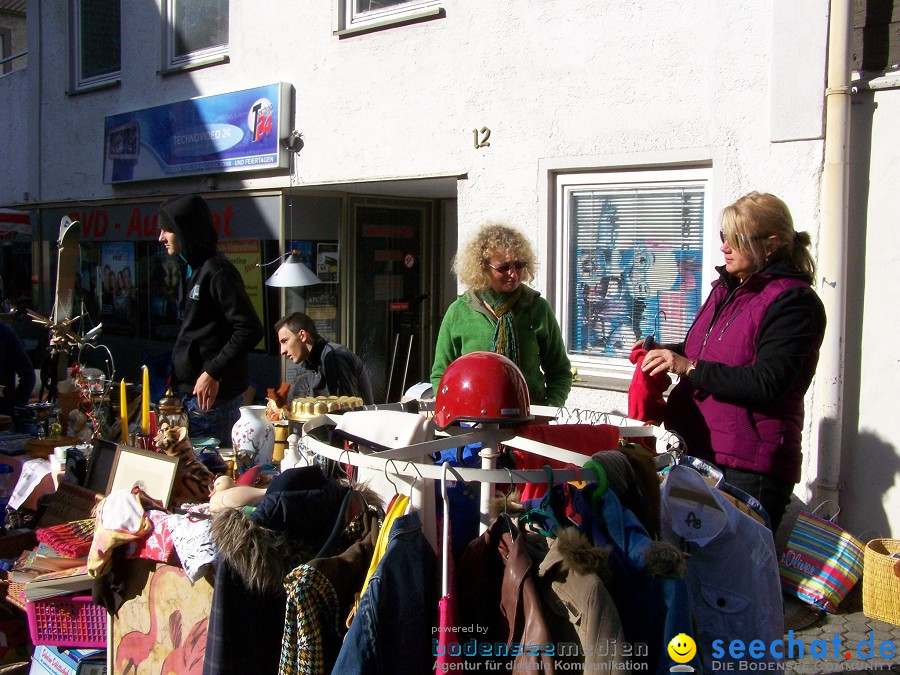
(145, 403)
(123, 408)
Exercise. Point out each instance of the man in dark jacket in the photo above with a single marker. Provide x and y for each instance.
(326, 368)
(220, 325)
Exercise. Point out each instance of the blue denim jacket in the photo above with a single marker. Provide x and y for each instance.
(391, 632)
(653, 609)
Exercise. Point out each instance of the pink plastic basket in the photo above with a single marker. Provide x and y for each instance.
(67, 621)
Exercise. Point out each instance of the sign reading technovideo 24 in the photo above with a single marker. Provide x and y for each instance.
(237, 131)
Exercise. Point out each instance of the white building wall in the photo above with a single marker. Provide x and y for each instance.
(870, 461)
(549, 79)
(13, 147)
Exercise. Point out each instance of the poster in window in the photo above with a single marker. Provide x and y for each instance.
(305, 251)
(168, 279)
(321, 307)
(245, 255)
(118, 294)
(90, 281)
(327, 263)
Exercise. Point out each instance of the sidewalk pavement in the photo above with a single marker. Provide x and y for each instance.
(854, 630)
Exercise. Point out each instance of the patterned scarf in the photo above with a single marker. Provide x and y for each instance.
(506, 338)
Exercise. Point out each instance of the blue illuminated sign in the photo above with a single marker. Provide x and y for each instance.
(237, 131)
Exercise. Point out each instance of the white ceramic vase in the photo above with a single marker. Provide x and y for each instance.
(253, 435)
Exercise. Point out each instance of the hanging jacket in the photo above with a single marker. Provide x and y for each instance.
(392, 630)
(220, 325)
(653, 608)
(756, 346)
(732, 570)
(578, 607)
(319, 594)
(497, 591)
(256, 552)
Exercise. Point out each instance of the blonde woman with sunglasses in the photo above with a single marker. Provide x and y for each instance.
(499, 312)
(750, 355)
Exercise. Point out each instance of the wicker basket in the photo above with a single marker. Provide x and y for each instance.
(881, 583)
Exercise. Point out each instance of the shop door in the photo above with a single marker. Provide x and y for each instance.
(390, 275)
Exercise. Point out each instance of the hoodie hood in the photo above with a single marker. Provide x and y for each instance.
(189, 217)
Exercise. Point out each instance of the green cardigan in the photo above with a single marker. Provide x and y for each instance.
(469, 327)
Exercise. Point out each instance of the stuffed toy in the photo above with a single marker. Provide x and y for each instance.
(193, 480)
(276, 402)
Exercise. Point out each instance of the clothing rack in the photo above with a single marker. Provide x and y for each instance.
(414, 462)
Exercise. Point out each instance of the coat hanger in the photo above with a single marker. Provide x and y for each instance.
(409, 505)
(602, 483)
(505, 515)
(541, 519)
(393, 484)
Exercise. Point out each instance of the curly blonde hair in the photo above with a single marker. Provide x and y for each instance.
(493, 237)
(757, 216)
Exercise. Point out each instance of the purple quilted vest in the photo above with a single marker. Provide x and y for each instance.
(731, 435)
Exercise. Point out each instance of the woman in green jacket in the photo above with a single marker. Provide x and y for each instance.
(501, 314)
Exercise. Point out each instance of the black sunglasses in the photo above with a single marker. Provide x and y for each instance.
(506, 267)
(722, 237)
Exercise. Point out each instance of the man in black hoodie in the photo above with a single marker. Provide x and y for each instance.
(220, 325)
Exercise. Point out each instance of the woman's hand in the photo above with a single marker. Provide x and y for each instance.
(665, 361)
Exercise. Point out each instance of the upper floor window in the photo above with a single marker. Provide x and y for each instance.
(196, 32)
(366, 14)
(96, 40)
(632, 251)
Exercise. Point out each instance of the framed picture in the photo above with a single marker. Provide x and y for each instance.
(153, 472)
(99, 466)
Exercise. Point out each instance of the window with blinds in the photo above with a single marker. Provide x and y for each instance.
(96, 42)
(197, 32)
(635, 263)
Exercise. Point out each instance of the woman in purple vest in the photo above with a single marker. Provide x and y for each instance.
(750, 355)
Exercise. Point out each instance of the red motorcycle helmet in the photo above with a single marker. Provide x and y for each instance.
(482, 387)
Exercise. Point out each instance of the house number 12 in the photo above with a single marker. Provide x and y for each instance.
(481, 137)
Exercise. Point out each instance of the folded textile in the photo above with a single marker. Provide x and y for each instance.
(70, 539)
(158, 544)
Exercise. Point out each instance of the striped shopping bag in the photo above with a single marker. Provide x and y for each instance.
(821, 562)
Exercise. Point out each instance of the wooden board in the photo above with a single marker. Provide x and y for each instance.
(162, 628)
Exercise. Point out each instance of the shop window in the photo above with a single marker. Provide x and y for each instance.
(196, 33)
(632, 251)
(96, 41)
(358, 15)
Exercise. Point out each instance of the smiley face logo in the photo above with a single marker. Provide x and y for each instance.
(682, 648)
